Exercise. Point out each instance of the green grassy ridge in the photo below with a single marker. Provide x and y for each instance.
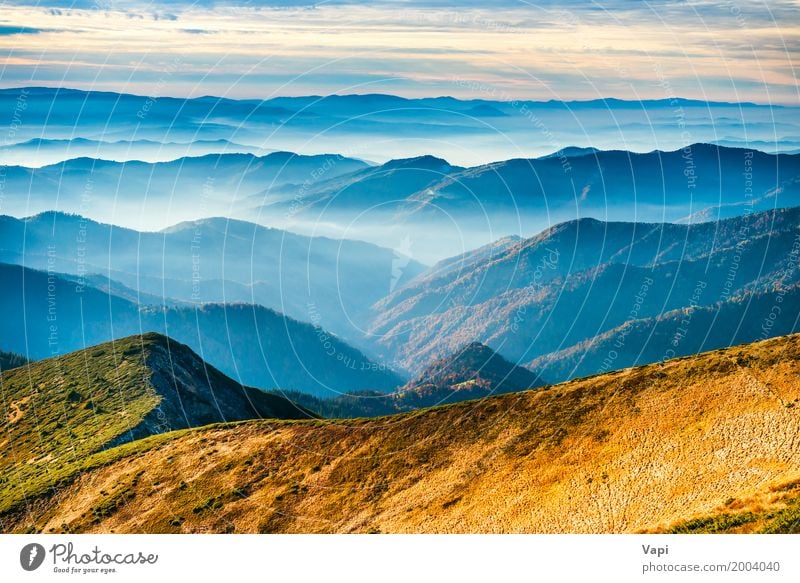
(57, 413)
(11, 502)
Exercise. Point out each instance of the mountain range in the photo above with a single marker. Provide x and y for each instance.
(427, 206)
(150, 193)
(39, 152)
(699, 444)
(330, 283)
(580, 298)
(745, 317)
(382, 127)
(576, 287)
(450, 209)
(368, 313)
(696, 176)
(48, 315)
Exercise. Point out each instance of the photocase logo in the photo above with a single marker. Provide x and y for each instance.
(31, 556)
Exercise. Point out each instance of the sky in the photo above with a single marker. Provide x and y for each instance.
(729, 50)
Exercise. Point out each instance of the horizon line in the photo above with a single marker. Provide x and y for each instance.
(675, 98)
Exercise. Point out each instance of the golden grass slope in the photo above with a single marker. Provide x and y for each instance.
(650, 448)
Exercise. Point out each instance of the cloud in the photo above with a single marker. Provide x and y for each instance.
(545, 49)
(164, 16)
(13, 30)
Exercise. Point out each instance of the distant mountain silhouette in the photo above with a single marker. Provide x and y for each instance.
(43, 152)
(474, 371)
(209, 184)
(571, 152)
(381, 188)
(441, 208)
(466, 132)
(601, 181)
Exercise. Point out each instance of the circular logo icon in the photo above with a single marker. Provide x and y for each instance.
(31, 556)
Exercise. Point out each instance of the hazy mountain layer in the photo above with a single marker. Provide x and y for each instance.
(614, 182)
(47, 315)
(155, 195)
(582, 279)
(446, 210)
(44, 152)
(330, 283)
(425, 206)
(382, 127)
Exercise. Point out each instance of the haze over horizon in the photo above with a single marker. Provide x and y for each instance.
(434, 96)
(724, 51)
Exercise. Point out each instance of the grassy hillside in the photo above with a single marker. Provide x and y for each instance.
(649, 448)
(57, 412)
(774, 510)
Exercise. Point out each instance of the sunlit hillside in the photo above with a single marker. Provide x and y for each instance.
(666, 446)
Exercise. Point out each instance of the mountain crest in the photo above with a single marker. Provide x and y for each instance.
(64, 412)
(193, 393)
(427, 162)
(473, 372)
